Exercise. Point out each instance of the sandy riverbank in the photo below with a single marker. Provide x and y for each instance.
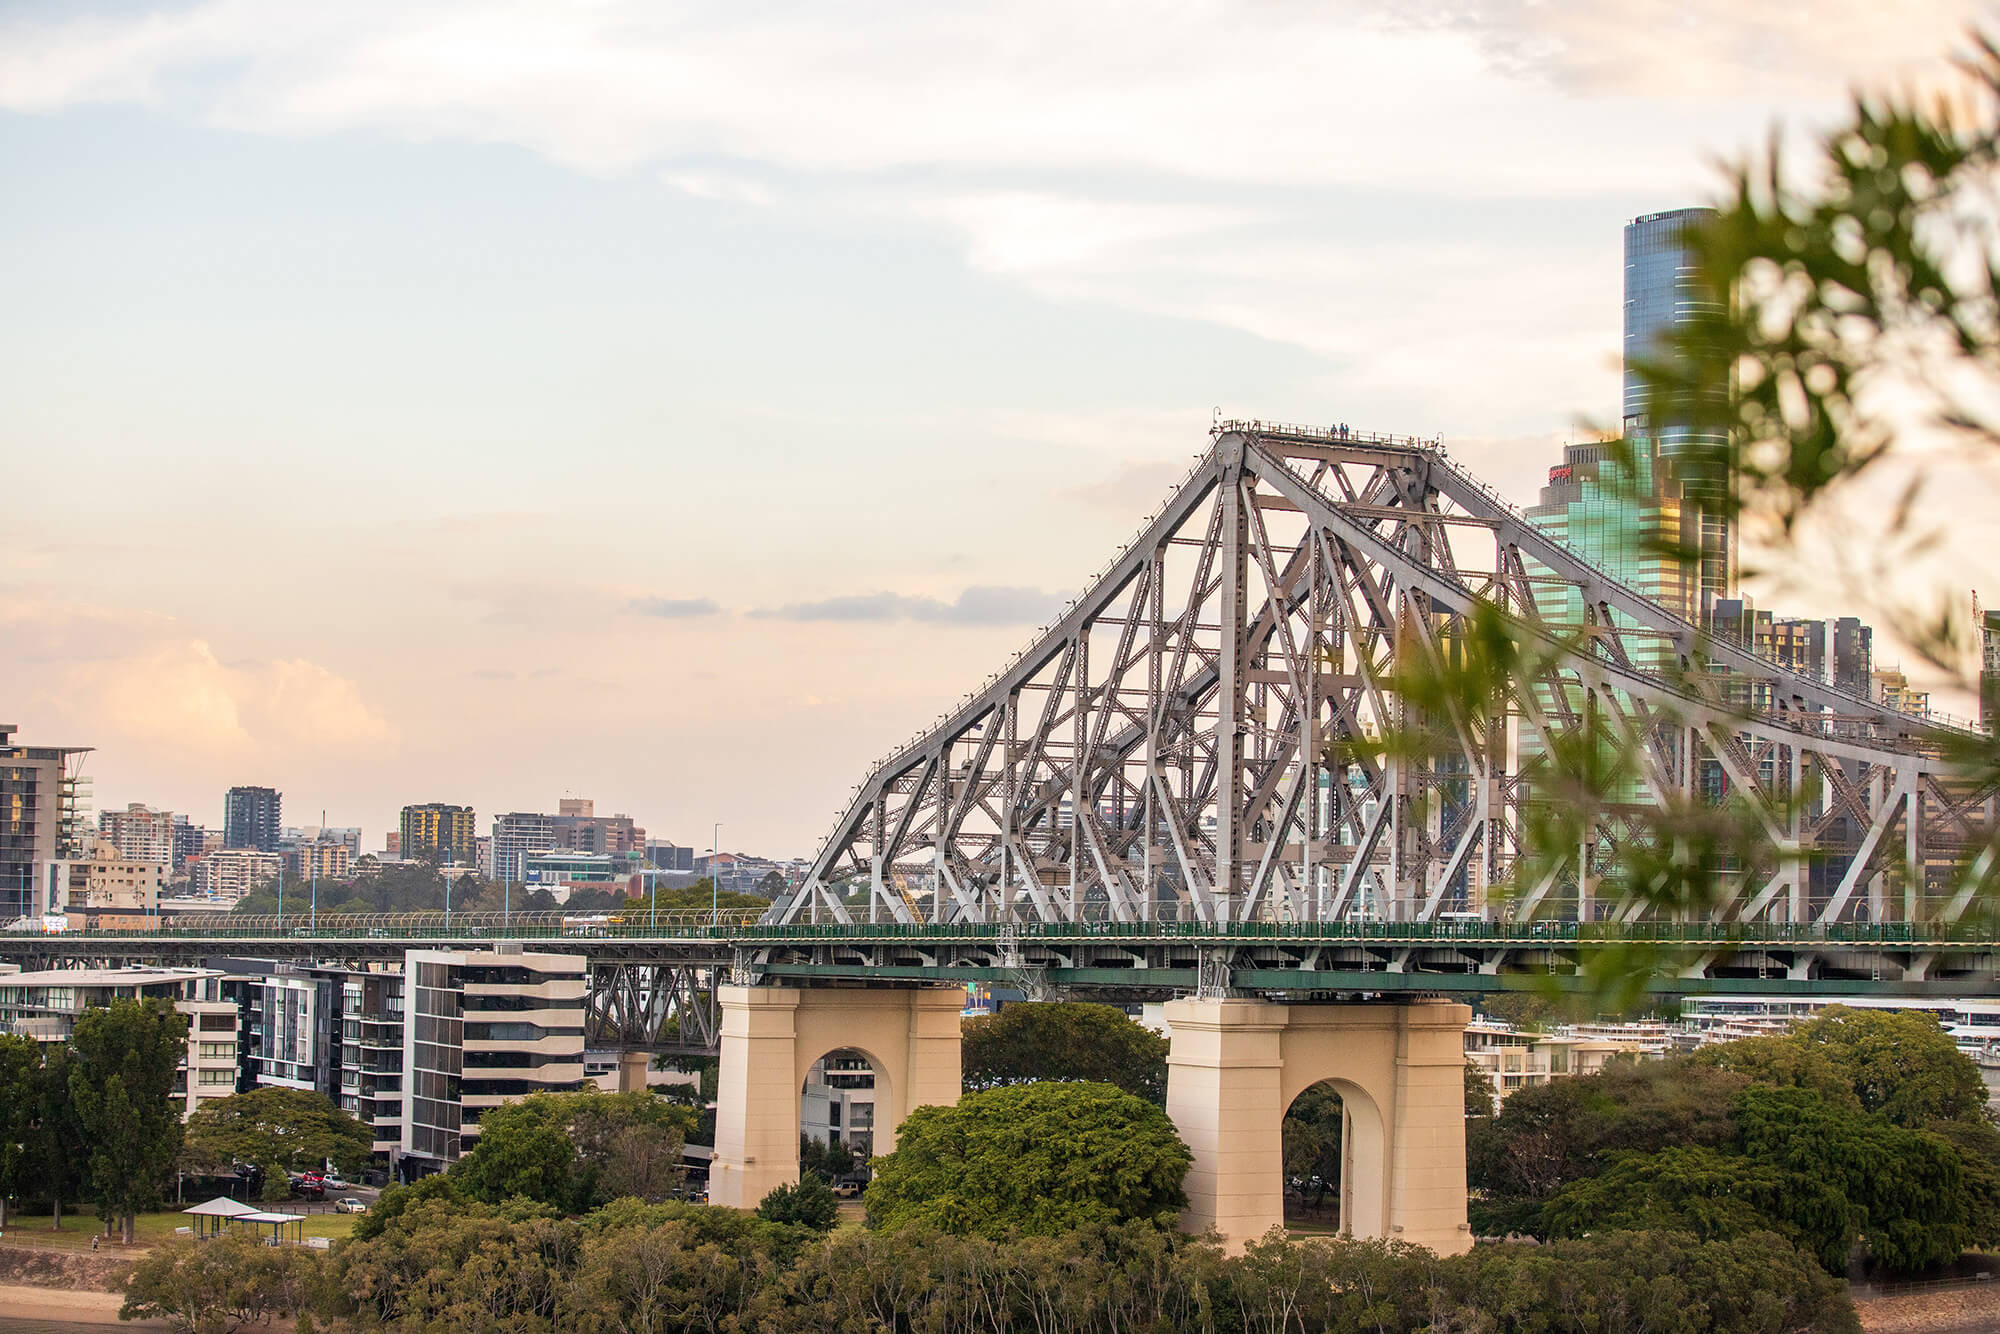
(68, 1304)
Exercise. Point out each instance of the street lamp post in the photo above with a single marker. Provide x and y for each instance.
(715, 875)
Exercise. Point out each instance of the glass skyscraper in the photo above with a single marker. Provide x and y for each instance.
(1630, 511)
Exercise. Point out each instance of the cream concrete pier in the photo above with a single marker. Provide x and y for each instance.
(1236, 1065)
(770, 1038)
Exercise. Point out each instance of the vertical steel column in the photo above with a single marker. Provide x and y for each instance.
(1229, 694)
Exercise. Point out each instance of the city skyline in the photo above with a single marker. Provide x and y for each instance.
(528, 442)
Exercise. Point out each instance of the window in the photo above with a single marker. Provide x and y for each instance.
(215, 1078)
(215, 1051)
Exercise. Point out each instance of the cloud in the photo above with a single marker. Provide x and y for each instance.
(976, 606)
(1698, 48)
(145, 678)
(724, 188)
(1361, 94)
(673, 609)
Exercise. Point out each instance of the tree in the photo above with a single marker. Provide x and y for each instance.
(20, 1075)
(809, 1203)
(1478, 1091)
(1311, 1135)
(1904, 1189)
(57, 1153)
(279, 1129)
(520, 1151)
(216, 1286)
(1057, 1040)
(1899, 1063)
(1781, 1061)
(830, 1161)
(576, 1151)
(698, 897)
(124, 1061)
(1041, 1158)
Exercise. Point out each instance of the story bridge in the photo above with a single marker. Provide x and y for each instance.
(1190, 787)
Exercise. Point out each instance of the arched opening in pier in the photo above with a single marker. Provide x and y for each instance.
(838, 1105)
(1333, 1150)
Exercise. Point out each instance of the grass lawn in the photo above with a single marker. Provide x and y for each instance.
(79, 1227)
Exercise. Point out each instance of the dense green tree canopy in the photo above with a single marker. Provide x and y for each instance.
(809, 1203)
(279, 1129)
(20, 1079)
(1788, 1134)
(1026, 1042)
(696, 898)
(1900, 1064)
(629, 1268)
(1041, 1158)
(577, 1150)
(123, 1068)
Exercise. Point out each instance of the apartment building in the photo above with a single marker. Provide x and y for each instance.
(107, 884)
(43, 797)
(320, 859)
(230, 873)
(484, 1028)
(1514, 1059)
(139, 832)
(437, 829)
(253, 817)
(44, 1005)
(371, 1055)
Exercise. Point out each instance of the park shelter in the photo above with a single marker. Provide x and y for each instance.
(214, 1215)
(278, 1223)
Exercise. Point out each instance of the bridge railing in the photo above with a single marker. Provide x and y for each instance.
(436, 925)
(744, 928)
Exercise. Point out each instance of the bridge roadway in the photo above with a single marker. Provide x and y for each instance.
(1112, 960)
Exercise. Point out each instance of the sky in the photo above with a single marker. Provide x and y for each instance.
(679, 405)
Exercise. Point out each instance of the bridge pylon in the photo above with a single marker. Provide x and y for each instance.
(771, 1036)
(1235, 1067)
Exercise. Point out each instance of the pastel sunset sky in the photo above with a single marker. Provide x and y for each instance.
(678, 404)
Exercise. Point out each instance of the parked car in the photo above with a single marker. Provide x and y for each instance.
(349, 1205)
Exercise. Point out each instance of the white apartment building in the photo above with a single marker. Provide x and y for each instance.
(44, 1005)
(230, 873)
(139, 833)
(1514, 1059)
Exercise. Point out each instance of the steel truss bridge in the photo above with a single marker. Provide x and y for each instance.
(1199, 736)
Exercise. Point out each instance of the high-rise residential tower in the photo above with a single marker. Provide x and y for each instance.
(43, 795)
(140, 832)
(444, 831)
(253, 817)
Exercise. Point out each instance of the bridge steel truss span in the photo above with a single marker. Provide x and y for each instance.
(1197, 737)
